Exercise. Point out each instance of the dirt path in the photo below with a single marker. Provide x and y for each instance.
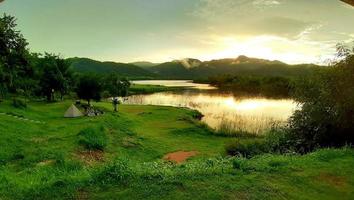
(179, 156)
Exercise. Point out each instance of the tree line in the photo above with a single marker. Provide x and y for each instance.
(268, 86)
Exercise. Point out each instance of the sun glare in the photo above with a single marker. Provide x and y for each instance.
(242, 105)
(265, 46)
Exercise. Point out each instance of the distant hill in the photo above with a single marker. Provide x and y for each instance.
(86, 65)
(144, 64)
(242, 65)
(190, 68)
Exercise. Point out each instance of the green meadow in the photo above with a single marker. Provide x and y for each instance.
(42, 157)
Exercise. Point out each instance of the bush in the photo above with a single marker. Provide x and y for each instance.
(93, 138)
(18, 103)
(245, 148)
(327, 114)
(278, 140)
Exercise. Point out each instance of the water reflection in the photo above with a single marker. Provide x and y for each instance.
(247, 114)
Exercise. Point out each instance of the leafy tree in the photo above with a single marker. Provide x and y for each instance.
(14, 55)
(89, 87)
(54, 76)
(116, 87)
(327, 114)
(3, 88)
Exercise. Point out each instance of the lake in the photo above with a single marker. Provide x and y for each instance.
(220, 109)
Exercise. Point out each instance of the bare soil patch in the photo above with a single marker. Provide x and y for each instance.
(82, 195)
(336, 181)
(179, 156)
(90, 157)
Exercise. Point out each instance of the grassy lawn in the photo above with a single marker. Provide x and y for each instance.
(42, 159)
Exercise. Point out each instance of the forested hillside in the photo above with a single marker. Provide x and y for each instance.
(193, 68)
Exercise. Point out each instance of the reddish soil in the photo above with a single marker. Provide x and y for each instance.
(179, 156)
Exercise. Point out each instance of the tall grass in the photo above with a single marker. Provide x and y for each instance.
(241, 125)
(93, 138)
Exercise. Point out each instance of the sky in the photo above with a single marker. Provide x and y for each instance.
(292, 31)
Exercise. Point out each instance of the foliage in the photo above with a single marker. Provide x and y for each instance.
(14, 62)
(93, 138)
(85, 65)
(277, 140)
(54, 75)
(327, 114)
(274, 86)
(89, 87)
(116, 86)
(241, 66)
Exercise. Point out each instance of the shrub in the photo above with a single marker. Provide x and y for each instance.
(245, 148)
(327, 114)
(18, 103)
(93, 138)
(278, 140)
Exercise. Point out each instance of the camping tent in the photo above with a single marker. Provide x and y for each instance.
(73, 112)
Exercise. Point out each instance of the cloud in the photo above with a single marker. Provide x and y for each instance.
(221, 9)
(282, 26)
(218, 9)
(266, 2)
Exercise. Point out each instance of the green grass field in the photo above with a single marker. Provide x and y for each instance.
(42, 159)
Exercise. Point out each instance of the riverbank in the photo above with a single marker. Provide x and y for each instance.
(47, 161)
(136, 89)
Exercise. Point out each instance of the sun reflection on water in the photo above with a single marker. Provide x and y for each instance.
(251, 114)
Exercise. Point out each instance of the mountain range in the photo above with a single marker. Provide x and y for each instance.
(190, 68)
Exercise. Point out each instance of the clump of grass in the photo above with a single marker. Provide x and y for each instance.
(93, 138)
(130, 142)
(245, 126)
(245, 148)
(227, 128)
(118, 171)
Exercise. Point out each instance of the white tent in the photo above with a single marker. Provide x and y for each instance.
(73, 112)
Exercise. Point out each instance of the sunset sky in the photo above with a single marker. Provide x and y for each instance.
(293, 31)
